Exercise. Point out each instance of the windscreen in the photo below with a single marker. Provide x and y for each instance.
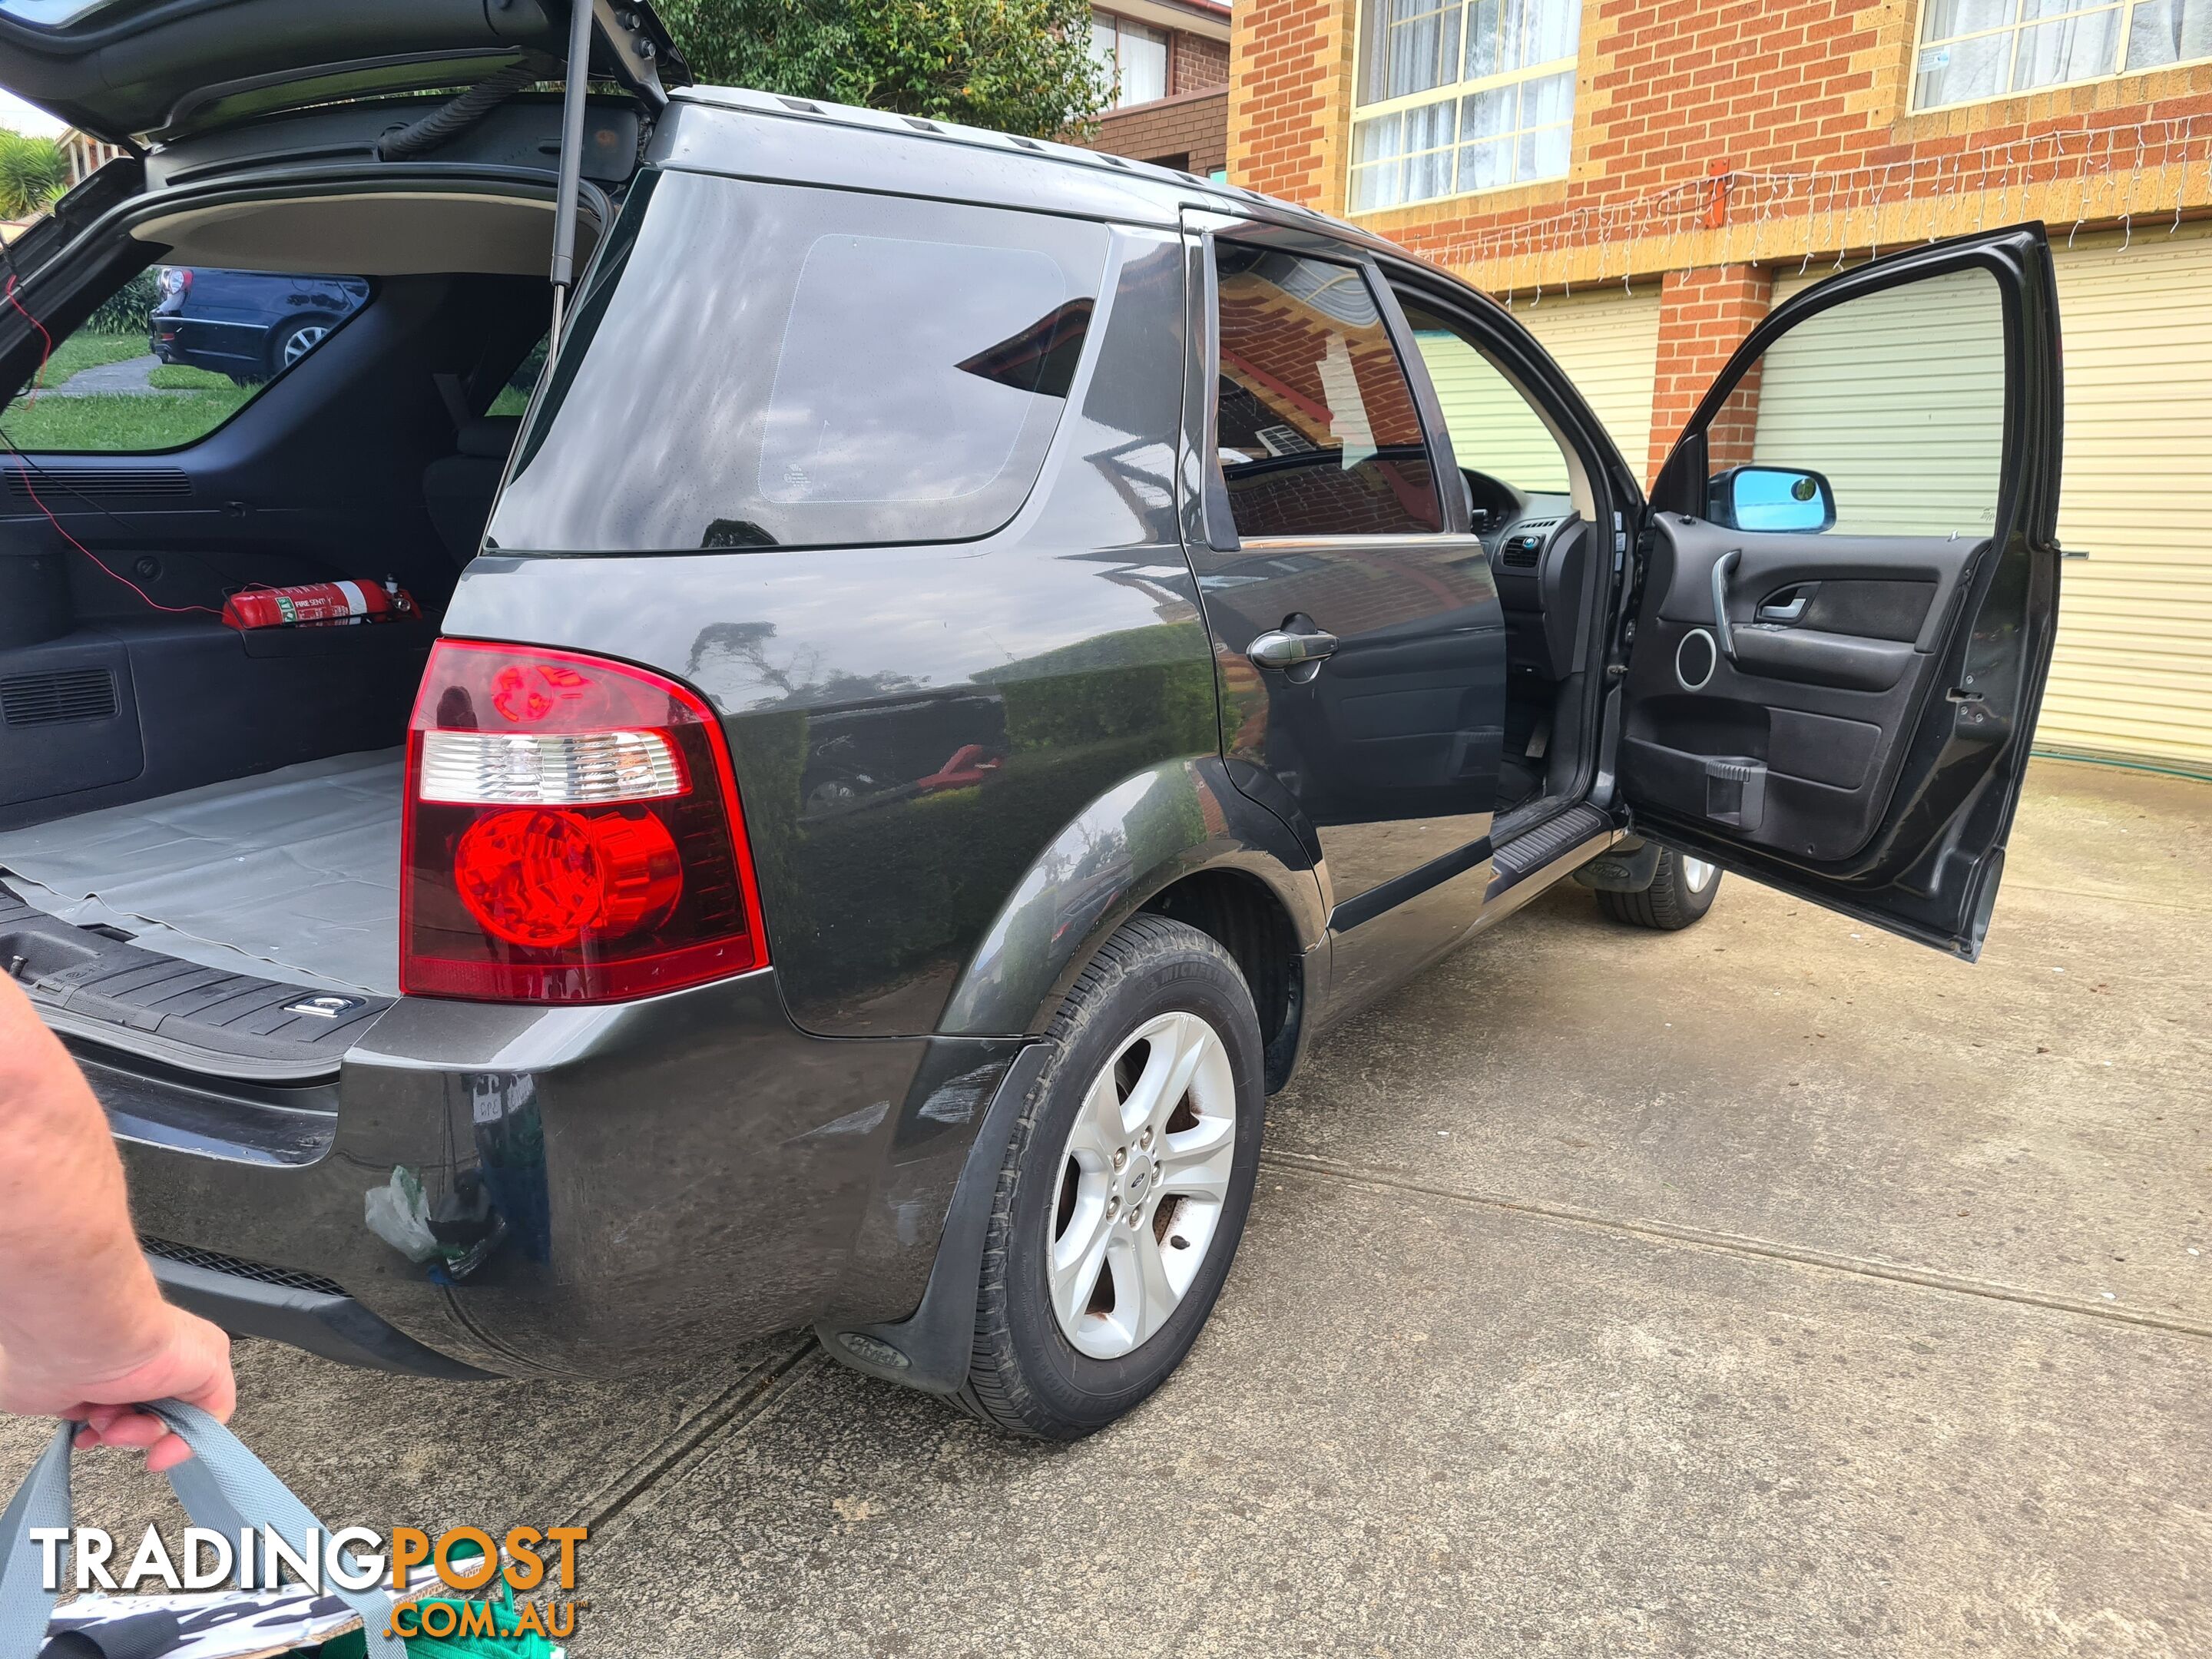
(758, 364)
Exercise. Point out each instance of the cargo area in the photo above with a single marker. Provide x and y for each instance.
(199, 825)
(292, 873)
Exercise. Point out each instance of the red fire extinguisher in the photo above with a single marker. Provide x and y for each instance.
(324, 603)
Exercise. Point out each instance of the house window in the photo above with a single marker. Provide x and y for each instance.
(1461, 95)
(1133, 58)
(1974, 49)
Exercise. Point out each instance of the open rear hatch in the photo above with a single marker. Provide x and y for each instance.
(136, 71)
(246, 927)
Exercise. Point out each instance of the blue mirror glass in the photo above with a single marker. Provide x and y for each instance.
(1779, 499)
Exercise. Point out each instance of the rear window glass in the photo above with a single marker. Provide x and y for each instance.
(771, 366)
(171, 355)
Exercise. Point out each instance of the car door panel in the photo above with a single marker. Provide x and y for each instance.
(1388, 747)
(1852, 722)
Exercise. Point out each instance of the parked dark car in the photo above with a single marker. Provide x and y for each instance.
(249, 324)
(979, 653)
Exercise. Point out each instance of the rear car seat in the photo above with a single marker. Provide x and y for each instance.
(457, 489)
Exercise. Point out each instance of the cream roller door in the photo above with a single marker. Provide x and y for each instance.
(2133, 675)
(1608, 344)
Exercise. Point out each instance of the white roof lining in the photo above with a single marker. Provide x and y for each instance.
(368, 233)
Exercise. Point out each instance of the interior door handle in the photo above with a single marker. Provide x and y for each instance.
(1800, 598)
(1722, 632)
(1291, 651)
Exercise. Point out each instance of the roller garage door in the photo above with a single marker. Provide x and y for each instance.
(2132, 676)
(1606, 341)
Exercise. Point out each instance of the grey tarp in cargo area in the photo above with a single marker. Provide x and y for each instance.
(293, 874)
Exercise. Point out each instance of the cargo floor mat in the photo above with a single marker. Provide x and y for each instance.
(295, 870)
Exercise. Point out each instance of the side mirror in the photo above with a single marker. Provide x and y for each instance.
(1783, 499)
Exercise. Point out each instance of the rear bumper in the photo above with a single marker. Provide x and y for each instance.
(612, 1190)
(326, 1322)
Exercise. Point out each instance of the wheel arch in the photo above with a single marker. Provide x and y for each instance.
(1176, 839)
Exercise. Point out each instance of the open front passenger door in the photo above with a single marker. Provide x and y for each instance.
(1848, 589)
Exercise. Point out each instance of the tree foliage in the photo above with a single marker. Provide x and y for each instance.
(33, 172)
(1021, 66)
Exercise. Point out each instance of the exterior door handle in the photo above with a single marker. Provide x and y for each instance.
(1291, 652)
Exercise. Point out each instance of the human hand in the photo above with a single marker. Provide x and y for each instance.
(177, 1355)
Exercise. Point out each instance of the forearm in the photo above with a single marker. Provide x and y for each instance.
(76, 1293)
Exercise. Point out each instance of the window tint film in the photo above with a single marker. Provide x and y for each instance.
(1316, 426)
(1897, 399)
(765, 365)
(173, 354)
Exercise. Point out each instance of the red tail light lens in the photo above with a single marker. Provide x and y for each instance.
(572, 833)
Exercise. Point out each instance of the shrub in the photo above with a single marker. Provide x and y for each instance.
(33, 172)
(129, 309)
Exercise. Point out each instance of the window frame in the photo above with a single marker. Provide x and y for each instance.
(1121, 26)
(258, 392)
(1452, 92)
(1217, 516)
(2012, 30)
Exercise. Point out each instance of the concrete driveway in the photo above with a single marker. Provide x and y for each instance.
(1776, 1288)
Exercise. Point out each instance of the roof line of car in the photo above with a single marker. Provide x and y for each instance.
(918, 130)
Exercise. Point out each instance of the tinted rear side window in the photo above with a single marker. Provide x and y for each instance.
(771, 366)
(1317, 428)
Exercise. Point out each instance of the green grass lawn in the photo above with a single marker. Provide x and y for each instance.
(84, 350)
(179, 377)
(115, 424)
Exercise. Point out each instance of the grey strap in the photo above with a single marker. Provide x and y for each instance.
(223, 1486)
(43, 1500)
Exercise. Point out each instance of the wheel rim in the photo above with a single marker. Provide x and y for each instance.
(301, 341)
(1142, 1182)
(1697, 875)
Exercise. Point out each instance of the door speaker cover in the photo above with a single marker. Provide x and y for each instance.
(1695, 658)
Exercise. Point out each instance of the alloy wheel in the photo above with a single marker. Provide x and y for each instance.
(301, 341)
(1698, 874)
(1142, 1182)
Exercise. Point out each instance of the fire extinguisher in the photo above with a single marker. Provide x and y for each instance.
(319, 603)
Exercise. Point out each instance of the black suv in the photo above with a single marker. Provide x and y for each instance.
(977, 652)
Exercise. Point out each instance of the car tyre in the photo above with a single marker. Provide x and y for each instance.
(1681, 893)
(1138, 1142)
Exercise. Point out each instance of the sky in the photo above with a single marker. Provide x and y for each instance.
(26, 118)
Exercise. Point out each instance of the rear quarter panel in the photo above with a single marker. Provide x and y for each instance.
(913, 727)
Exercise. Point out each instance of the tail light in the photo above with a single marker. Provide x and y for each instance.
(572, 834)
(175, 280)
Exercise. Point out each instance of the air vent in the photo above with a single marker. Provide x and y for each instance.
(1521, 552)
(799, 104)
(138, 481)
(920, 126)
(59, 698)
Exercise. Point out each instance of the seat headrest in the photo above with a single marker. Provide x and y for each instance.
(489, 435)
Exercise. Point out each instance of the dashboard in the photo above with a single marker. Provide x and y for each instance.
(1538, 546)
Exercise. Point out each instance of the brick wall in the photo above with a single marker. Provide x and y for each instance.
(1686, 114)
(1290, 76)
(1196, 63)
(1703, 315)
(1668, 91)
(1189, 130)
